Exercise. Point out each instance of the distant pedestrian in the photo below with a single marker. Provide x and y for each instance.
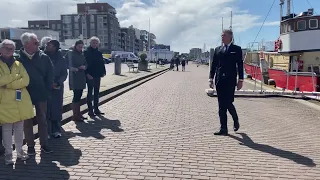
(172, 64)
(226, 64)
(77, 77)
(183, 64)
(95, 71)
(177, 63)
(40, 70)
(55, 104)
(15, 105)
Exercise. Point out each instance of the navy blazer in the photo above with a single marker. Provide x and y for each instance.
(226, 65)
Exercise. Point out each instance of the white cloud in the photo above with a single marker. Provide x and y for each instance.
(181, 23)
(187, 23)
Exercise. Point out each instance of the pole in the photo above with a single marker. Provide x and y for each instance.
(48, 16)
(296, 78)
(313, 85)
(231, 21)
(82, 20)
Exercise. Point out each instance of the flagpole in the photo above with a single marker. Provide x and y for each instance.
(48, 16)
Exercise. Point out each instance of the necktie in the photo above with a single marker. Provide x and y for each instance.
(225, 48)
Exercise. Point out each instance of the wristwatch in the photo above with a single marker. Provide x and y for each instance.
(241, 80)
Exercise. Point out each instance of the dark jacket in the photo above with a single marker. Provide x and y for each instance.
(177, 61)
(77, 80)
(183, 62)
(95, 62)
(40, 70)
(226, 65)
(59, 67)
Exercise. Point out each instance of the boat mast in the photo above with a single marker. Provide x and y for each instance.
(288, 7)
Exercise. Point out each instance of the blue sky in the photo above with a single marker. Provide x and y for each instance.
(257, 8)
(183, 24)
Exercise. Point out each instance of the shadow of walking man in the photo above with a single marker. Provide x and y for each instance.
(247, 141)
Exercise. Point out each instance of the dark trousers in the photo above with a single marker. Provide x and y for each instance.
(77, 93)
(225, 92)
(177, 65)
(41, 118)
(93, 93)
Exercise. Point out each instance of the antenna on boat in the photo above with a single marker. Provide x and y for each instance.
(288, 7)
(281, 9)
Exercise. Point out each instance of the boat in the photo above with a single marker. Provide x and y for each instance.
(294, 61)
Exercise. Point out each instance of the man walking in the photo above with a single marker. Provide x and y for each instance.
(95, 70)
(226, 64)
(40, 70)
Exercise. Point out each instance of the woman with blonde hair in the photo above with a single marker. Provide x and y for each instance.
(15, 101)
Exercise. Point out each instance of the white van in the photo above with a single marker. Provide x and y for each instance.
(126, 56)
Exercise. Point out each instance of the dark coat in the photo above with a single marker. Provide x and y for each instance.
(40, 71)
(95, 63)
(77, 80)
(226, 65)
(55, 103)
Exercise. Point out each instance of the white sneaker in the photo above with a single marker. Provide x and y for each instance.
(22, 155)
(8, 159)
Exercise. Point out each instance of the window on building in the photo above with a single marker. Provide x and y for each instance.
(313, 23)
(32, 26)
(37, 25)
(53, 26)
(301, 25)
(76, 18)
(92, 18)
(76, 33)
(58, 26)
(66, 19)
(76, 26)
(92, 26)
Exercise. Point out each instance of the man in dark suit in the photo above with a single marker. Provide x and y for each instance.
(226, 64)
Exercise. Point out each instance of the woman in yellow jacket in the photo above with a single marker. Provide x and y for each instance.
(15, 101)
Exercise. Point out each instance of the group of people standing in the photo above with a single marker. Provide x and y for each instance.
(36, 79)
(177, 61)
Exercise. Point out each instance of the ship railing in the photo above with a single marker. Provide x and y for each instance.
(274, 73)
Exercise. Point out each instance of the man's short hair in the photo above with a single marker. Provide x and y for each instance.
(228, 31)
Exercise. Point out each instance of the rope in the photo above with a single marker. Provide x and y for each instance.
(263, 23)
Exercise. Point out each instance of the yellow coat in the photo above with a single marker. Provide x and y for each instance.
(15, 78)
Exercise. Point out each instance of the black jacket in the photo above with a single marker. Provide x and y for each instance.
(226, 65)
(40, 71)
(59, 67)
(95, 63)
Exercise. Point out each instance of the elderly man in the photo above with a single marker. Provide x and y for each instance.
(94, 71)
(226, 64)
(40, 70)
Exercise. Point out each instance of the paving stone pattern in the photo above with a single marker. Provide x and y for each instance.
(111, 80)
(164, 129)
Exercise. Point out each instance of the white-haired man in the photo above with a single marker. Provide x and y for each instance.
(40, 70)
(95, 70)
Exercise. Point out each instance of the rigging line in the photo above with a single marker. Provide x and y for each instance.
(310, 5)
(292, 6)
(263, 23)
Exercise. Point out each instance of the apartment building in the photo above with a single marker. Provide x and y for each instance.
(195, 52)
(128, 39)
(162, 46)
(93, 19)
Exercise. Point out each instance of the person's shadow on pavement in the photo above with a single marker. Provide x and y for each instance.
(247, 141)
(94, 125)
(30, 169)
(64, 152)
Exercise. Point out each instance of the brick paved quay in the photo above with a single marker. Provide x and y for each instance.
(164, 128)
(111, 80)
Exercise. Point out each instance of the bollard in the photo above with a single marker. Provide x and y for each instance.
(117, 65)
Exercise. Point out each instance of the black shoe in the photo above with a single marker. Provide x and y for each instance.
(98, 112)
(31, 151)
(91, 114)
(236, 126)
(46, 150)
(221, 133)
